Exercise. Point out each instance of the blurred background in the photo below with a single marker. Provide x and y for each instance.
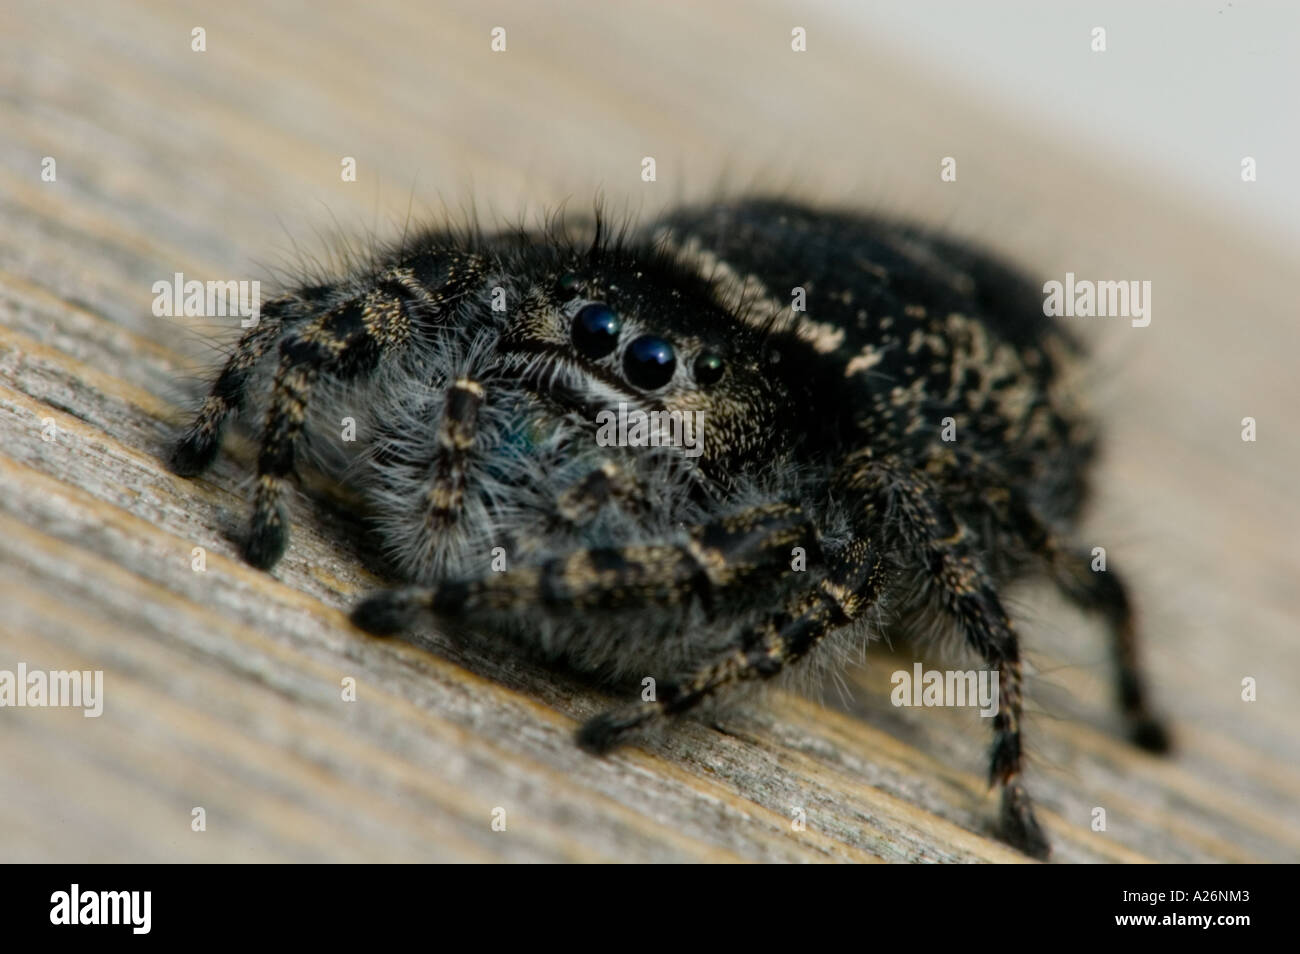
(224, 162)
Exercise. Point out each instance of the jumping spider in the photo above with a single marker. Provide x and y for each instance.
(475, 367)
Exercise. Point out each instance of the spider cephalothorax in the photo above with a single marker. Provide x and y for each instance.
(690, 452)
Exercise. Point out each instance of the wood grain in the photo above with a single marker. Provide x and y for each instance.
(223, 686)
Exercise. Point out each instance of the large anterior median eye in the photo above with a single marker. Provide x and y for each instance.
(649, 362)
(595, 330)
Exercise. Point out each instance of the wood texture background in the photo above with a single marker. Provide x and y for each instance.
(223, 687)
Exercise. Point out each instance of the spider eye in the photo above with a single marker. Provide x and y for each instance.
(709, 367)
(649, 362)
(595, 330)
(567, 282)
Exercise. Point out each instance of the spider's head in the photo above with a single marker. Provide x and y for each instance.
(628, 334)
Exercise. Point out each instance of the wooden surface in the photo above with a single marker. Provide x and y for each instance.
(223, 687)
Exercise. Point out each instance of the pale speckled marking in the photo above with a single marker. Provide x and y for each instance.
(747, 296)
(864, 360)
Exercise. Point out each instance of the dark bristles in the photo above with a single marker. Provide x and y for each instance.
(193, 454)
(383, 614)
(1019, 827)
(607, 731)
(265, 545)
(1150, 734)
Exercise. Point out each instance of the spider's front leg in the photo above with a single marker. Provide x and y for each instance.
(605, 483)
(442, 475)
(908, 502)
(761, 652)
(342, 341)
(194, 452)
(747, 548)
(735, 550)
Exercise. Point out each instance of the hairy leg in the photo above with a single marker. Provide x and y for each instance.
(727, 553)
(909, 503)
(1100, 591)
(761, 652)
(194, 452)
(345, 341)
(1104, 592)
(606, 483)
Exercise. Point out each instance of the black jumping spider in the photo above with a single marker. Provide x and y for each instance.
(476, 368)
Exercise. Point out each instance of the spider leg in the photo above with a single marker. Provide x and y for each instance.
(457, 434)
(606, 482)
(1101, 592)
(720, 555)
(761, 652)
(440, 474)
(967, 593)
(1105, 593)
(194, 452)
(344, 341)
